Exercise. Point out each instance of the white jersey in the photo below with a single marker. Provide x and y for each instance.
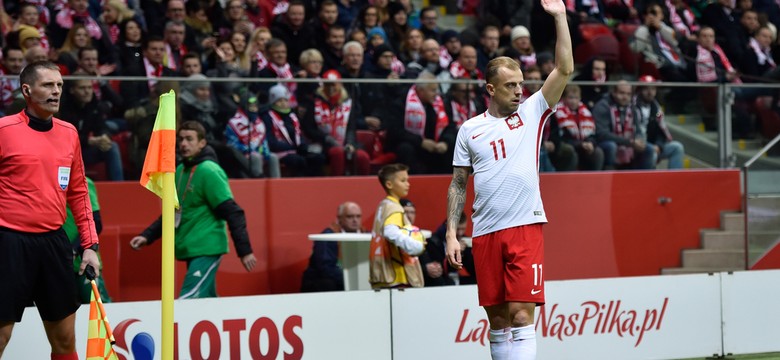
(504, 154)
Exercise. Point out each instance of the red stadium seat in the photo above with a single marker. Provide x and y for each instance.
(603, 46)
(372, 143)
(629, 61)
(590, 31)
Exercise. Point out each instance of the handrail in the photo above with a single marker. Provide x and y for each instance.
(762, 151)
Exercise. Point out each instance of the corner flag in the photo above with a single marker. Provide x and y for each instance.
(161, 154)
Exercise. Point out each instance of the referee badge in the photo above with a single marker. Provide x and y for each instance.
(63, 177)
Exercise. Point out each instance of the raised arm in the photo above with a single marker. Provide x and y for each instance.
(456, 198)
(564, 59)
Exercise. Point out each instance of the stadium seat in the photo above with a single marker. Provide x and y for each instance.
(590, 31)
(372, 142)
(629, 61)
(603, 46)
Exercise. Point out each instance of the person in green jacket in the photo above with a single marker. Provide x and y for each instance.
(82, 283)
(206, 204)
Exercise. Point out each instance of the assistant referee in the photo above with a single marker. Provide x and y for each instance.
(41, 170)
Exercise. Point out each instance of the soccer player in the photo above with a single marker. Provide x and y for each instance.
(502, 147)
(41, 170)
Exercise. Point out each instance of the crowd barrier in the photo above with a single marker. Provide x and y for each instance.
(605, 224)
(653, 317)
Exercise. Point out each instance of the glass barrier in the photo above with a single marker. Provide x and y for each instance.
(762, 203)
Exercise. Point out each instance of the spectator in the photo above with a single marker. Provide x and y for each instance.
(12, 63)
(35, 53)
(174, 45)
(28, 37)
(88, 115)
(258, 15)
(521, 44)
(462, 104)
(348, 12)
(324, 272)
(393, 261)
(191, 65)
(245, 134)
(718, 15)
(435, 254)
(411, 46)
(199, 33)
(29, 15)
(330, 123)
(130, 45)
(77, 12)
(367, 19)
(396, 25)
(651, 122)
(114, 13)
(428, 23)
(450, 48)
(88, 65)
(506, 14)
(420, 139)
(153, 54)
(546, 63)
(489, 41)
(312, 63)
(589, 11)
(383, 13)
(140, 120)
(623, 142)
(656, 42)
(684, 22)
(76, 39)
(758, 61)
(595, 70)
(556, 155)
(466, 65)
(195, 102)
(358, 35)
(352, 68)
(326, 17)
(377, 95)
(285, 137)
(292, 29)
(279, 68)
(533, 82)
(577, 128)
(206, 203)
(227, 66)
(260, 37)
(235, 19)
(712, 66)
(431, 62)
(332, 51)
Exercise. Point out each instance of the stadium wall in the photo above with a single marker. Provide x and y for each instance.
(605, 224)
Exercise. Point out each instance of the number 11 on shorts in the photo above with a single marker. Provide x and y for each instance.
(538, 275)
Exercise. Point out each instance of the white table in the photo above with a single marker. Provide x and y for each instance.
(355, 248)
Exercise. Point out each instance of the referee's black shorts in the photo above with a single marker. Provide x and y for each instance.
(36, 269)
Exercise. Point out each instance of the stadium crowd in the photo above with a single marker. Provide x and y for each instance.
(334, 127)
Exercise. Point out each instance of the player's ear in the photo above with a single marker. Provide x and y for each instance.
(490, 89)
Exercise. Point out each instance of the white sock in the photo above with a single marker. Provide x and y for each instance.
(500, 344)
(523, 343)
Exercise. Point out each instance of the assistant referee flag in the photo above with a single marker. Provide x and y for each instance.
(161, 154)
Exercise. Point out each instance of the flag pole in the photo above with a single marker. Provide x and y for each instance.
(167, 264)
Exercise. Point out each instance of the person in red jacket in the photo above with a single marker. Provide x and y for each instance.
(41, 171)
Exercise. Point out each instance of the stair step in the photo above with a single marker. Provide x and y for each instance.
(734, 221)
(720, 239)
(697, 270)
(713, 258)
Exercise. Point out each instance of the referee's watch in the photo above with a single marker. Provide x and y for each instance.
(94, 247)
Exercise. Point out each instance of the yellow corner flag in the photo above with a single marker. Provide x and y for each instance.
(161, 154)
(100, 338)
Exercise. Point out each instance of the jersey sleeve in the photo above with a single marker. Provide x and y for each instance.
(79, 202)
(535, 108)
(462, 156)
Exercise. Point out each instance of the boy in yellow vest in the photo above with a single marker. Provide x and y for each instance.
(395, 243)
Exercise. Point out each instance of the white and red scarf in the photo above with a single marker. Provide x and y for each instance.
(7, 86)
(459, 72)
(414, 114)
(764, 56)
(281, 133)
(113, 33)
(332, 119)
(461, 113)
(685, 24)
(667, 50)
(284, 72)
(624, 129)
(152, 72)
(397, 66)
(527, 60)
(444, 57)
(262, 62)
(280, 7)
(579, 124)
(705, 64)
(65, 20)
(254, 135)
(170, 60)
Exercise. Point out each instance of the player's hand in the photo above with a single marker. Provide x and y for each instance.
(89, 257)
(249, 261)
(554, 7)
(434, 269)
(453, 251)
(139, 241)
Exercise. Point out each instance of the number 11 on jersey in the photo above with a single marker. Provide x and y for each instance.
(495, 149)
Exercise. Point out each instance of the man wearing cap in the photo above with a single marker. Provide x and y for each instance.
(651, 120)
(285, 138)
(331, 123)
(28, 37)
(521, 47)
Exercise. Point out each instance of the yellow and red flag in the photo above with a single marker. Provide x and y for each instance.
(161, 154)
(100, 338)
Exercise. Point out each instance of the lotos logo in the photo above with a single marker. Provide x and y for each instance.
(601, 318)
(141, 346)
